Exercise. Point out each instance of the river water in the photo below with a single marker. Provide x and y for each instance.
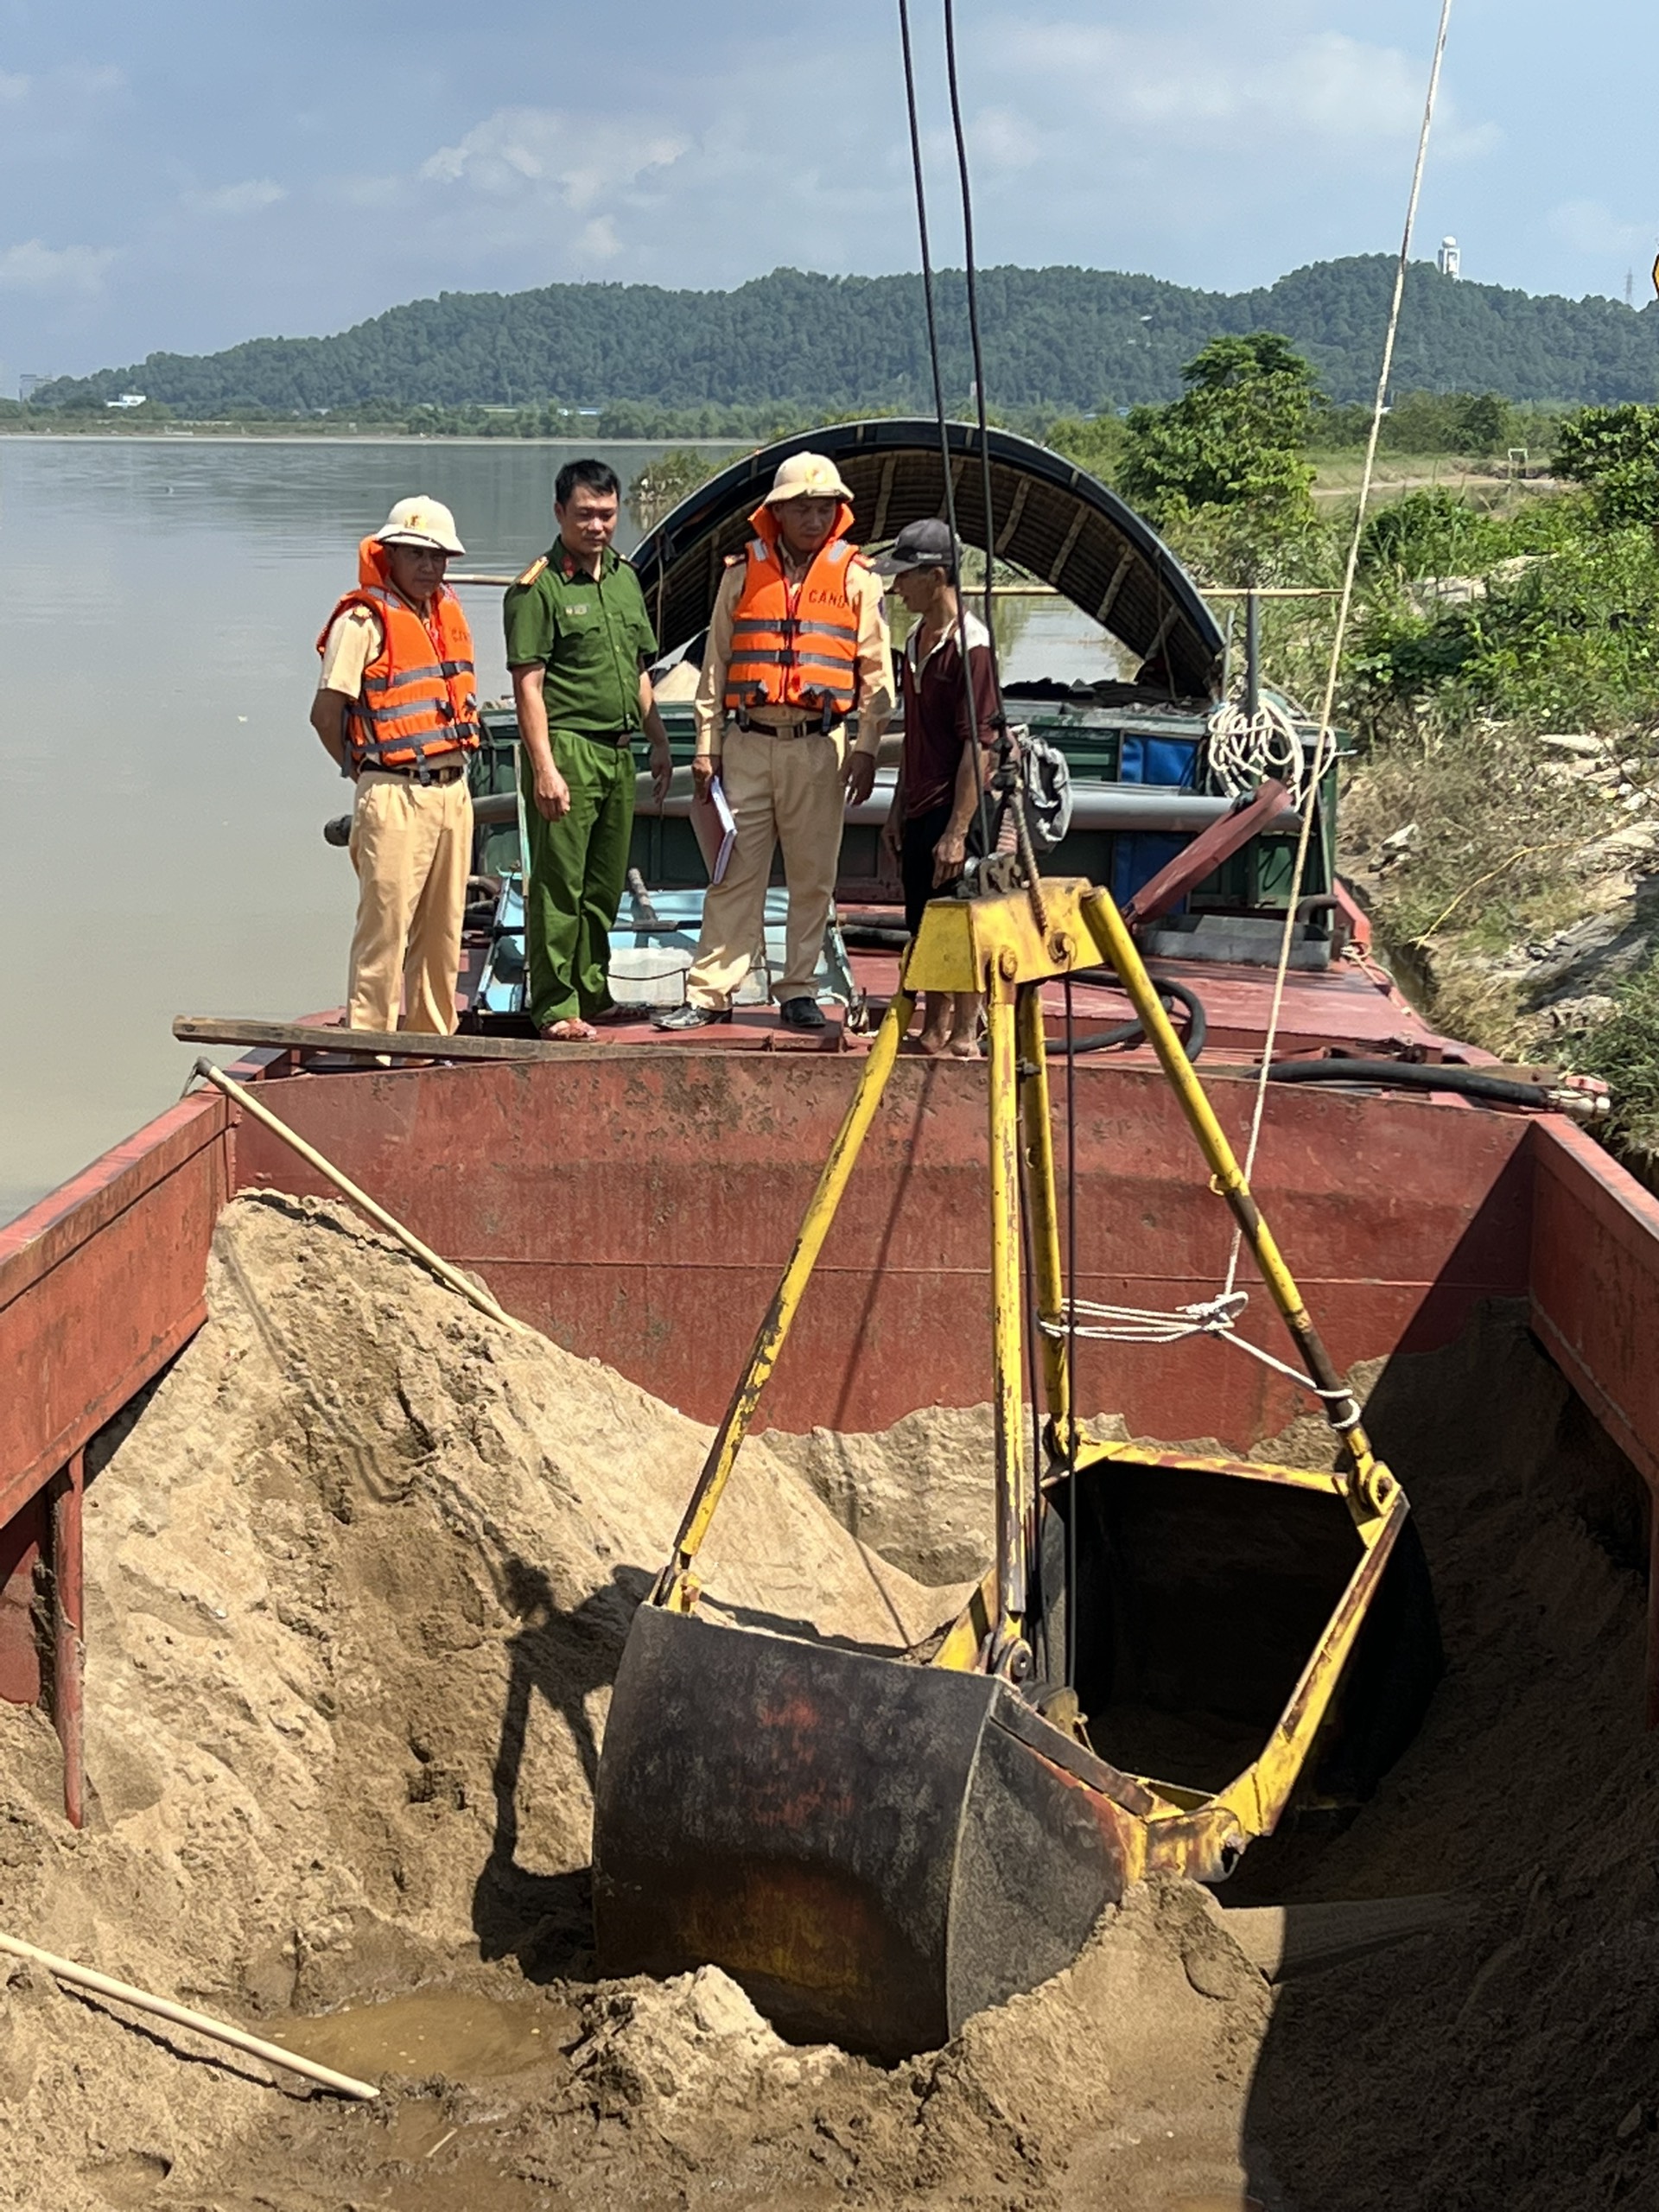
(162, 794)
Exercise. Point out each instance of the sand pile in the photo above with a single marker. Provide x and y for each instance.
(1118, 2083)
(359, 1578)
(920, 1493)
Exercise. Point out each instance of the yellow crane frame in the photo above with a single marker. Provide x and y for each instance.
(1007, 946)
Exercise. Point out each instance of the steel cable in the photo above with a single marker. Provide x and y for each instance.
(971, 738)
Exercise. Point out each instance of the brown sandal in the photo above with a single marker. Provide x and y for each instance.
(571, 1031)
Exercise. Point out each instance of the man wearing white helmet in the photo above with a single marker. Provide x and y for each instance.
(799, 644)
(397, 707)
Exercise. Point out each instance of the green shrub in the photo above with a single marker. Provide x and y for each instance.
(1431, 532)
(1615, 451)
(1094, 441)
(1235, 438)
(1624, 1052)
(1572, 642)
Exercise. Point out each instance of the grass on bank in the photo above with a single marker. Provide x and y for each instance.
(1624, 1052)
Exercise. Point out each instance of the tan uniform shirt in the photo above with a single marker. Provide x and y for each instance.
(352, 642)
(874, 665)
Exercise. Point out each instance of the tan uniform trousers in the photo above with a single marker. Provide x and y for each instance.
(782, 791)
(411, 845)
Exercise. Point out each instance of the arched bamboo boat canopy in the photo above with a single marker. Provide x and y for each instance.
(1053, 519)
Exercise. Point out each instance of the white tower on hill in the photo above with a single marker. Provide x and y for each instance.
(1450, 258)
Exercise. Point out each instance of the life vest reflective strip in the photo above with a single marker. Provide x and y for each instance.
(781, 656)
(414, 710)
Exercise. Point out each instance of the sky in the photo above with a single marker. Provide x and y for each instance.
(183, 175)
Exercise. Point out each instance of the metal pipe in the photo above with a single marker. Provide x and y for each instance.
(675, 1588)
(452, 1278)
(101, 1984)
(1046, 1221)
(1013, 1572)
(1252, 652)
(1093, 806)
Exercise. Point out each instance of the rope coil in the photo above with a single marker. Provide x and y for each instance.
(1246, 750)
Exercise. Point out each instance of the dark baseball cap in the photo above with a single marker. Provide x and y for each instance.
(926, 544)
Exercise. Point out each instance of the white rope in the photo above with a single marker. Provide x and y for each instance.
(1244, 750)
(1324, 750)
(1208, 1317)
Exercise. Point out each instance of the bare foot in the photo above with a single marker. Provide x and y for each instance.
(934, 1043)
(572, 1032)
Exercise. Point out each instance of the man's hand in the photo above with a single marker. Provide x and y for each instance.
(662, 769)
(949, 857)
(704, 769)
(859, 773)
(552, 794)
(892, 834)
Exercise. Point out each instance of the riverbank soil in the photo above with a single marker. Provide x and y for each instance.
(358, 1578)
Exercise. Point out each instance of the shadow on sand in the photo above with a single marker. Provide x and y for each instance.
(545, 1920)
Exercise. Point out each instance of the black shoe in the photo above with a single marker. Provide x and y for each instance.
(691, 1017)
(801, 1013)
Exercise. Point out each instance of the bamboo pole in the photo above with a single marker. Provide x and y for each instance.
(182, 2016)
(451, 1277)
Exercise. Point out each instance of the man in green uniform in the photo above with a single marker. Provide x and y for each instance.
(578, 643)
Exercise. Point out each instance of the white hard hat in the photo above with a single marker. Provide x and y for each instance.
(421, 521)
(807, 476)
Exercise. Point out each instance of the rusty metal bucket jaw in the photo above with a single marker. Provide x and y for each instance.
(875, 1850)
(1255, 1605)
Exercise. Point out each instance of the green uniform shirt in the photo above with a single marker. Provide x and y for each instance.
(591, 636)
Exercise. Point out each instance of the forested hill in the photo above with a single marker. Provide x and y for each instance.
(1070, 338)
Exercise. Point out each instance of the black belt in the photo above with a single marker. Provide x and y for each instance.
(618, 737)
(447, 775)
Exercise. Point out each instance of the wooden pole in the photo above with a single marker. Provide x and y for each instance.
(202, 2024)
(68, 1621)
(452, 1278)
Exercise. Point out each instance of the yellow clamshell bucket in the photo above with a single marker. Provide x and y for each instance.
(1166, 1650)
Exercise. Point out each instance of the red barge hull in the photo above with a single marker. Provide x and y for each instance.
(637, 1205)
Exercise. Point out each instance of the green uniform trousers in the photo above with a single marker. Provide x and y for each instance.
(577, 869)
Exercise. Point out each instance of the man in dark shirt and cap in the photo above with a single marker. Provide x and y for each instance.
(947, 759)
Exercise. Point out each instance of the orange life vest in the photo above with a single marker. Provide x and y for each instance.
(796, 646)
(418, 700)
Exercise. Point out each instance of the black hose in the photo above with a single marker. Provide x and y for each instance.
(1412, 1075)
(1129, 1032)
(866, 936)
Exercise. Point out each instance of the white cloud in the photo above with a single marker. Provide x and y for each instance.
(1594, 230)
(1319, 89)
(1005, 139)
(13, 89)
(245, 198)
(598, 241)
(579, 161)
(37, 267)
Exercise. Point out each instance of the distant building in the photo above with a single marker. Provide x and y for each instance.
(127, 399)
(1450, 258)
(29, 384)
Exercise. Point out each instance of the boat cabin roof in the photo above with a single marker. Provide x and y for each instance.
(1051, 519)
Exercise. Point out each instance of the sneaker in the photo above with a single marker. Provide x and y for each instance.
(691, 1017)
(801, 1013)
